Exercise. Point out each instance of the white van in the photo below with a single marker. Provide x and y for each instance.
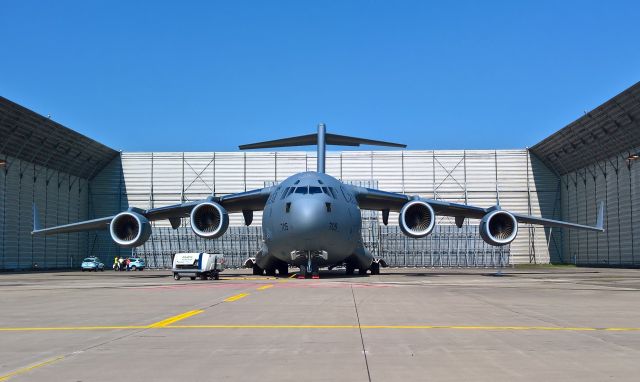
(203, 265)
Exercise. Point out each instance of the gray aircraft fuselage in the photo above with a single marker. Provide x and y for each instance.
(309, 213)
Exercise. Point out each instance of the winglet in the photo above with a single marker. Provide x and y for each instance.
(36, 220)
(600, 218)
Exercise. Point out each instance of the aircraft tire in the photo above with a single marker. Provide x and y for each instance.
(375, 269)
(176, 276)
(283, 270)
(257, 271)
(349, 270)
(362, 271)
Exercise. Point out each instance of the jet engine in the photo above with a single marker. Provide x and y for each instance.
(129, 229)
(417, 219)
(209, 220)
(498, 228)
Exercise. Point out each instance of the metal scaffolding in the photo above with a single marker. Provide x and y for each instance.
(447, 246)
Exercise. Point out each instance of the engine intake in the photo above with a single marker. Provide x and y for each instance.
(129, 229)
(209, 220)
(417, 219)
(498, 228)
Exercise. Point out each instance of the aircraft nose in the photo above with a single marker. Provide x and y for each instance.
(309, 217)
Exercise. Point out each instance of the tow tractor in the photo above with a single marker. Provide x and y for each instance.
(202, 265)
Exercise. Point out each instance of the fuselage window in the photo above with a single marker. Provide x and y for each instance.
(315, 190)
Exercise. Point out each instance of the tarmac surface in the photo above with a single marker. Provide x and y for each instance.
(541, 323)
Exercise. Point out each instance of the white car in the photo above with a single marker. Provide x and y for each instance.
(92, 264)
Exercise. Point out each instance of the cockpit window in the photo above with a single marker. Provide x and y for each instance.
(315, 190)
(285, 192)
(302, 190)
(333, 192)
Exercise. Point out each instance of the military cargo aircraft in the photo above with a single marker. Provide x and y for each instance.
(311, 219)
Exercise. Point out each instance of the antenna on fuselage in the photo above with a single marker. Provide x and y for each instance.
(321, 139)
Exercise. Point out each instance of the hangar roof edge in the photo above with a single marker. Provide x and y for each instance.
(29, 136)
(606, 131)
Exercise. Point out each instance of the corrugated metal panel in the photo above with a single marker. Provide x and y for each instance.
(635, 205)
(418, 172)
(168, 180)
(591, 242)
(602, 242)
(512, 170)
(12, 215)
(3, 207)
(387, 170)
(261, 167)
(613, 232)
(333, 165)
(24, 184)
(25, 200)
(624, 202)
(357, 165)
(289, 163)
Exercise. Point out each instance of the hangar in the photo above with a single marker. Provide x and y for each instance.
(71, 177)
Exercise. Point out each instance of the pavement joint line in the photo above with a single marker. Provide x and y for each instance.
(236, 297)
(29, 368)
(391, 327)
(265, 287)
(173, 319)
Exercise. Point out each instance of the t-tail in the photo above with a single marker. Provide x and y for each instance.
(321, 140)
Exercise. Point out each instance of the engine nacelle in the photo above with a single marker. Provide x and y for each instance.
(209, 220)
(417, 219)
(129, 229)
(498, 228)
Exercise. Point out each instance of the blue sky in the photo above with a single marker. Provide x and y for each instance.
(205, 76)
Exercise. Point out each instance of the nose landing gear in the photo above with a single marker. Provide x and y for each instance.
(310, 269)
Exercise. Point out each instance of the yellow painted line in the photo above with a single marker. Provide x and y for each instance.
(293, 275)
(111, 327)
(29, 368)
(173, 319)
(236, 297)
(266, 287)
(482, 328)
(167, 324)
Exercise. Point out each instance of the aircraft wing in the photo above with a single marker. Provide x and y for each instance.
(253, 200)
(373, 199)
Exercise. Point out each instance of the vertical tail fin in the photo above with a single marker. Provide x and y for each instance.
(322, 147)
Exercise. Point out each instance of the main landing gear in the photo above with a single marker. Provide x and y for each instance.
(282, 268)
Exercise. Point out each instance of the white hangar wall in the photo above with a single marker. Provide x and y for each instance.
(520, 181)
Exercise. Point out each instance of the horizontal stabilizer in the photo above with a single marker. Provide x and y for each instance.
(312, 139)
